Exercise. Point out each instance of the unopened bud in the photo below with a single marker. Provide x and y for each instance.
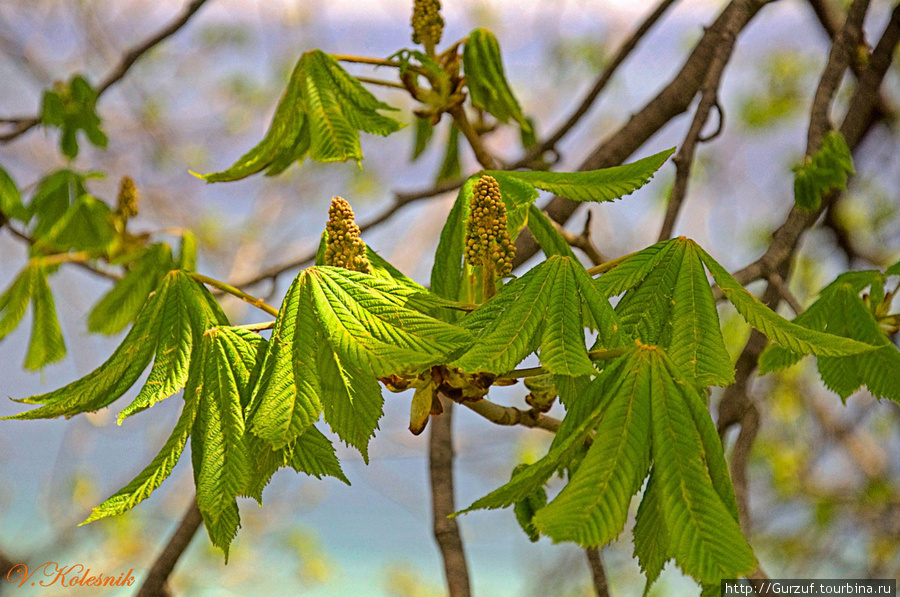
(345, 248)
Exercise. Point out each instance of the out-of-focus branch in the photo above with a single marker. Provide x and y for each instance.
(785, 292)
(598, 572)
(584, 107)
(483, 156)
(583, 241)
(673, 100)
(121, 69)
(81, 264)
(446, 529)
(157, 581)
(684, 159)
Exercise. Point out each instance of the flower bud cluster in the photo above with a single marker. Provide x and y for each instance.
(345, 248)
(427, 23)
(487, 239)
(127, 200)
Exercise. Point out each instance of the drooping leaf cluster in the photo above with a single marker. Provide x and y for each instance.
(840, 310)
(320, 115)
(72, 107)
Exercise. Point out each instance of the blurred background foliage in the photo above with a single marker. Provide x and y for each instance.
(825, 478)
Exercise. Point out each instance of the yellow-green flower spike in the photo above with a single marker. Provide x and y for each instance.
(487, 239)
(345, 248)
(127, 200)
(427, 23)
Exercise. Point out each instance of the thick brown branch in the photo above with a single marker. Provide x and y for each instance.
(446, 529)
(510, 415)
(845, 41)
(673, 100)
(121, 69)
(598, 572)
(584, 107)
(484, 157)
(584, 241)
(156, 583)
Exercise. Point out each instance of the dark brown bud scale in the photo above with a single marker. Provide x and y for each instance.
(344, 248)
(487, 239)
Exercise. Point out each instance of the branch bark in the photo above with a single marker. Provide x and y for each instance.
(673, 100)
(598, 572)
(157, 581)
(446, 530)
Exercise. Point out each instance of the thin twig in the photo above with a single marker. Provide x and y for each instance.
(584, 242)
(382, 83)
(684, 159)
(446, 529)
(121, 69)
(584, 107)
(156, 583)
(484, 157)
(673, 100)
(785, 292)
(80, 264)
(228, 288)
(598, 572)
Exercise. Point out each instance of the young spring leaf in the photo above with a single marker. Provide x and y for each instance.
(11, 206)
(221, 379)
(72, 107)
(526, 509)
(486, 79)
(451, 167)
(320, 115)
(176, 314)
(592, 508)
(547, 236)
(607, 184)
(704, 536)
(86, 225)
(46, 344)
(825, 171)
(651, 541)
(840, 310)
(423, 133)
(123, 302)
(52, 198)
(775, 327)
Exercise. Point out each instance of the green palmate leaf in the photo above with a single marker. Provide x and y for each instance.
(46, 344)
(187, 311)
(547, 236)
(85, 226)
(668, 302)
(370, 325)
(310, 453)
(840, 310)
(351, 399)
(423, 133)
(160, 328)
(696, 344)
(221, 380)
(320, 114)
(287, 393)
(542, 309)
(825, 171)
(651, 541)
(187, 256)
(775, 327)
(11, 206)
(486, 79)
(73, 107)
(382, 269)
(632, 270)
(155, 473)
(592, 508)
(447, 272)
(894, 270)
(52, 198)
(607, 184)
(568, 441)
(123, 302)
(704, 537)
(14, 301)
(527, 508)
